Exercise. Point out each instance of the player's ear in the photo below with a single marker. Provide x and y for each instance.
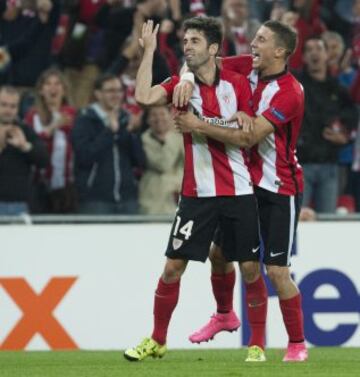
(213, 49)
(280, 52)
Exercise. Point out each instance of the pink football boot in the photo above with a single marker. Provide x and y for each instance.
(296, 352)
(218, 322)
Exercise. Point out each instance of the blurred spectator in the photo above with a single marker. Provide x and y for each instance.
(118, 23)
(81, 50)
(52, 119)
(170, 42)
(329, 117)
(356, 171)
(307, 214)
(343, 16)
(164, 151)
(199, 7)
(25, 71)
(126, 67)
(262, 9)
(240, 29)
(19, 30)
(106, 153)
(339, 59)
(304, 16)
(20, 150)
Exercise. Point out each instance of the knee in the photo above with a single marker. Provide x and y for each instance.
(219, 264)
(250, 271)
(278, 275)
(173, 271)
(216, 257)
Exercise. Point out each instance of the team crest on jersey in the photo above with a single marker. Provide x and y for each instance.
(176, 243)
(226, 98)
(278, 114)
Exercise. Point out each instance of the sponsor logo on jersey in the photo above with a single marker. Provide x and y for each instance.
(278, 114)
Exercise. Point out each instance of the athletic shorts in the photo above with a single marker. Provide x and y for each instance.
(197, 219)
(278, 216)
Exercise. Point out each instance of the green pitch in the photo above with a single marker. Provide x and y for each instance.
(326, 362)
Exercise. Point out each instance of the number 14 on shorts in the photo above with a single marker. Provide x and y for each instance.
(185, 230)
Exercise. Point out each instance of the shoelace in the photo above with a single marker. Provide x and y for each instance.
(142, 347)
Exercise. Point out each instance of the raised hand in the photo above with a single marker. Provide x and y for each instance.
(148, 35)
(17, 139)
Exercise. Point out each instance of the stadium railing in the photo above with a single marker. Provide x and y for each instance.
(119, 219)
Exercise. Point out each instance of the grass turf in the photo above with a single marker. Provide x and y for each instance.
(327, 362)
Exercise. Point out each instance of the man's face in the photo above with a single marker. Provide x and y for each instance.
(237, 9)
(196, 49)
(159, 119)
(315, 55)
(335, 48)
(9, 106)
(263, 48)
(110, 95)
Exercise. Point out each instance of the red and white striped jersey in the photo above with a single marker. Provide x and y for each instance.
(59, 172)
(213, 168)
(280, 99)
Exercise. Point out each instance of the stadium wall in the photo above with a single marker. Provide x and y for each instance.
(91, 287)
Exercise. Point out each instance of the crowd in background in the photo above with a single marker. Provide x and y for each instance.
(74, 140)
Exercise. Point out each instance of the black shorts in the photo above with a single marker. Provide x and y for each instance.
(279, 216)
(197, 219)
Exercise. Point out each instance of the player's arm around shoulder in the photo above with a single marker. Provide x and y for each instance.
(145, 94)
(251, 130)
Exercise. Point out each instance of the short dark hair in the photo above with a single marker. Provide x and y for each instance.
(285, 35)
(103, 78)
(315, 38)
(210, 26)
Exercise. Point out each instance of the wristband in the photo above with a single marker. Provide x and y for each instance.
(188, 76)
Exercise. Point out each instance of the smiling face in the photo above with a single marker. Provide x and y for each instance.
(111, 94)
(196, 49)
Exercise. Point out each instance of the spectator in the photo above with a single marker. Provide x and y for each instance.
(340, 67)
(161, 181)
(171, 35)
(126, 66)
(20, 150)
(18, 32)
(329, 116)
(82, 48)
(25, 71)
(106, 153)
(304, 17)
(356, 171)
(52, 119)
(240, 29)
(339, 59)
(118, 23)
(262, 9)
(307, 214)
